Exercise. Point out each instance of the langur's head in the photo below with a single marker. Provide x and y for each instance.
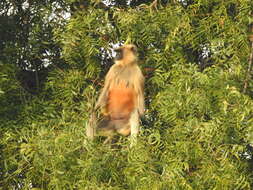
(126, 54)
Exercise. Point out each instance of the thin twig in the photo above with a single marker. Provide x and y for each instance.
(248, 74)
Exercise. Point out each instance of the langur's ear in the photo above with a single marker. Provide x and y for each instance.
(134, 49)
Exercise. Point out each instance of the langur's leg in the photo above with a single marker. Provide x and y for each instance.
(91, 127)
(134, 123)
(134, 126)
(122, 127)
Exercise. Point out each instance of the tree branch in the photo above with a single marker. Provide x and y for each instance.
(248, 74)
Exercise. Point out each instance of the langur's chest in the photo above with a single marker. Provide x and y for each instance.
(122, 91)
(124, 79)
(121, 97)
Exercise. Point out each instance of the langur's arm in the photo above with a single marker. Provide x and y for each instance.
(102, 100)
(141, 103)
(140, 94)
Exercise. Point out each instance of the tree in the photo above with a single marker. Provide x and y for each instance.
(197, 130)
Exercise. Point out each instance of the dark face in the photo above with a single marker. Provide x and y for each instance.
(129, 51)
(119, 54)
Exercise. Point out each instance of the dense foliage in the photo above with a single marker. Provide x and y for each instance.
(197, 132)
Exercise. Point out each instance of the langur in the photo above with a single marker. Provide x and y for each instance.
(121, 100)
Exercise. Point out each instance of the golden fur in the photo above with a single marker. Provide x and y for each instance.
(122, 97)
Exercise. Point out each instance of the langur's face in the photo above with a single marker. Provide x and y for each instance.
(119, 53)
(125, 51)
